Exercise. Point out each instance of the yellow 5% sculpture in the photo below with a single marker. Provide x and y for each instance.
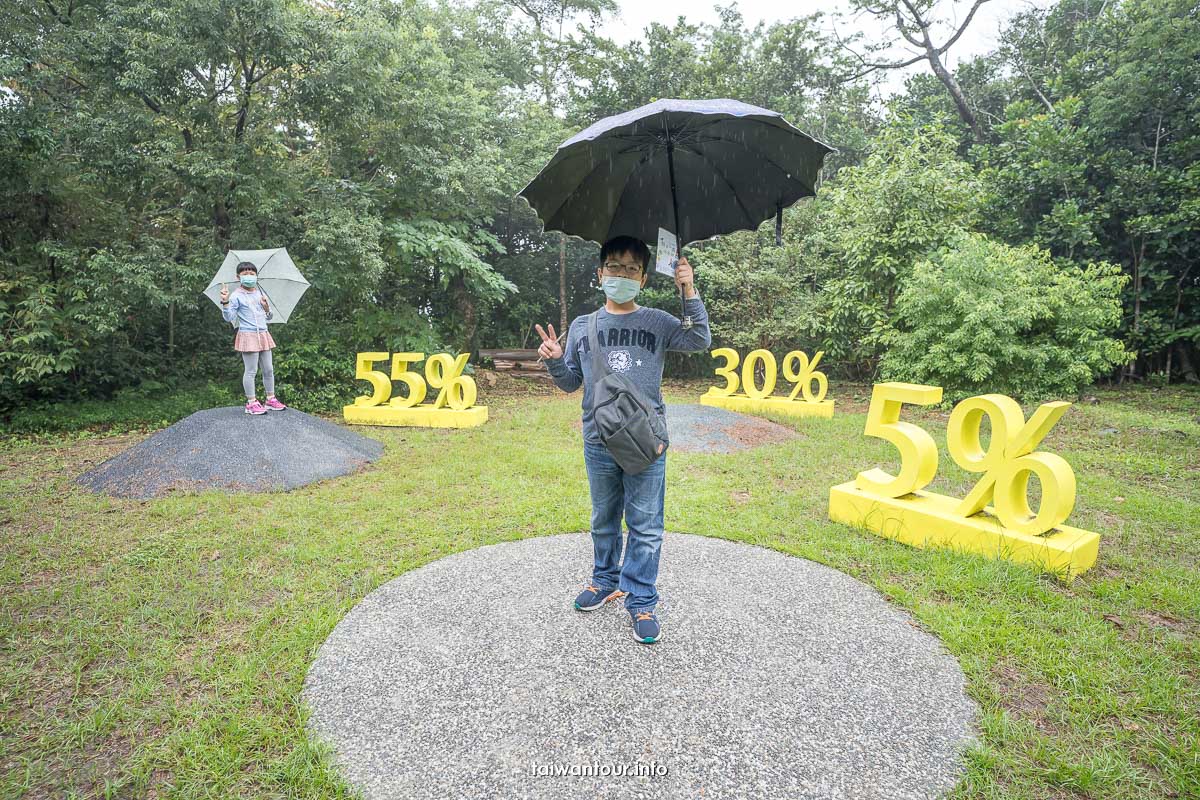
(453, 407)
(897, 507)
(797, 370)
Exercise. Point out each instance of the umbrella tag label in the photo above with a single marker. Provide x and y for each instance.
(665, 252)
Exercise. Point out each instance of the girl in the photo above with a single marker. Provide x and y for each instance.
(248, 308)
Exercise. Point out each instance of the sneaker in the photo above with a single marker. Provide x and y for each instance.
(593, 597)
(274, 404)
(255, 407)
(645, 625)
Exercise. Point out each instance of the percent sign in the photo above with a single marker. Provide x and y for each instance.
(796, 369)
(803, 374)
(1009, 460)
(1007, 463)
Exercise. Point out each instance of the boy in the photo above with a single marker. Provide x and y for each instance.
(633, 340)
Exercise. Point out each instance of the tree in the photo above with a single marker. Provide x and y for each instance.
(874, 222)
(913, 21)
(1095, 159)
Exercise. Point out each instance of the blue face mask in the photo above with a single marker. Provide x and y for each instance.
(249, 280)
(620, 290)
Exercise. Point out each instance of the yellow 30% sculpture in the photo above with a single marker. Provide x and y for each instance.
(896, 507)
(453, 407)
(797, 370)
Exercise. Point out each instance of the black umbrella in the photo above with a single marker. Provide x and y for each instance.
(719, 165)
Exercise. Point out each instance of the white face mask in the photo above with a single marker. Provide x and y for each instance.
(620, 290)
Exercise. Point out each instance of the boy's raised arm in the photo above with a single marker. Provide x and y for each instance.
(696, 338)
(566, 371)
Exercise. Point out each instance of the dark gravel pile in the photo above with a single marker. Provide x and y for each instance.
(225, 448)
(694, 428)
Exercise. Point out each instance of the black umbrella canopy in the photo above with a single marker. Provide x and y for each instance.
(734, 164)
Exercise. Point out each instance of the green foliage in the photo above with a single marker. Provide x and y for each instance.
(383, 144)
(314, 375)
(454, 251)
(759, 294)
(1096, 159)
(140, 143)
(832, 284)
(980, 316)
(875, 221)
(152, 404)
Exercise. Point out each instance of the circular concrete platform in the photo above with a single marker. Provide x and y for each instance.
(775, 677)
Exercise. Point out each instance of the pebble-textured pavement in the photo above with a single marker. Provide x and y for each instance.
(226, 448)
(693, 428)
(776, 677)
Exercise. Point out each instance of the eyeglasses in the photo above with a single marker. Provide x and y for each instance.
(617, 268)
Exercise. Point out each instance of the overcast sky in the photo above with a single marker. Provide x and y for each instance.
(980, 37)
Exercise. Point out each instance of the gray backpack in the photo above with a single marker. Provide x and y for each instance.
(626, 422)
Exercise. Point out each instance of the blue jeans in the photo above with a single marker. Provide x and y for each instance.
(640, 499)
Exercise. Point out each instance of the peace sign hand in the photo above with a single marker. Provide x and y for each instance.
(550, 347)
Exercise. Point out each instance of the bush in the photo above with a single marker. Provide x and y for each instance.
(314, 376)
(314, 368)
(151, 403)
(980, 316)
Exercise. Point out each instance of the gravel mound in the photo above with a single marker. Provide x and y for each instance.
(694, 428)
(225, 448)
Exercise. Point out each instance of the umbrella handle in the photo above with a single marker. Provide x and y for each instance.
(687, 318)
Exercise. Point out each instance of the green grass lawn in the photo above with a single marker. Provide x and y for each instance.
(157, 649)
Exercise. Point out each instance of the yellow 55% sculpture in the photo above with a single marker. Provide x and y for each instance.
(896, 507)
(453, 407)
(797, 370)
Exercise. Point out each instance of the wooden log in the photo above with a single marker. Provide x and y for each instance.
(510, 355)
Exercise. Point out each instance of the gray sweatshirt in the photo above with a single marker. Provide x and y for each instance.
(635, 344)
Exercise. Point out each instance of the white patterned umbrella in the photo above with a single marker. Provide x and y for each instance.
(278, 279)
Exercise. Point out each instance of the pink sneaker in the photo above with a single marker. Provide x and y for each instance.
(274, 404)
(255, 407)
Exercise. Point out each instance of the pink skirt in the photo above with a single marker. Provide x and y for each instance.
(253, 341)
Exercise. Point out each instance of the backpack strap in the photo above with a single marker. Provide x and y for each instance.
(599, 367)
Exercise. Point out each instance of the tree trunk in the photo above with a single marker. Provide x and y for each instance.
(470, 316)
(956, 93)
(1185, 364)
(1137, 303)
(221, 224)
(1175, 316)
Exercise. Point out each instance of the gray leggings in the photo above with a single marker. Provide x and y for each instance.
(251, 362)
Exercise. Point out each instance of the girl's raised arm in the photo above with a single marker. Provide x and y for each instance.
(229, 311)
